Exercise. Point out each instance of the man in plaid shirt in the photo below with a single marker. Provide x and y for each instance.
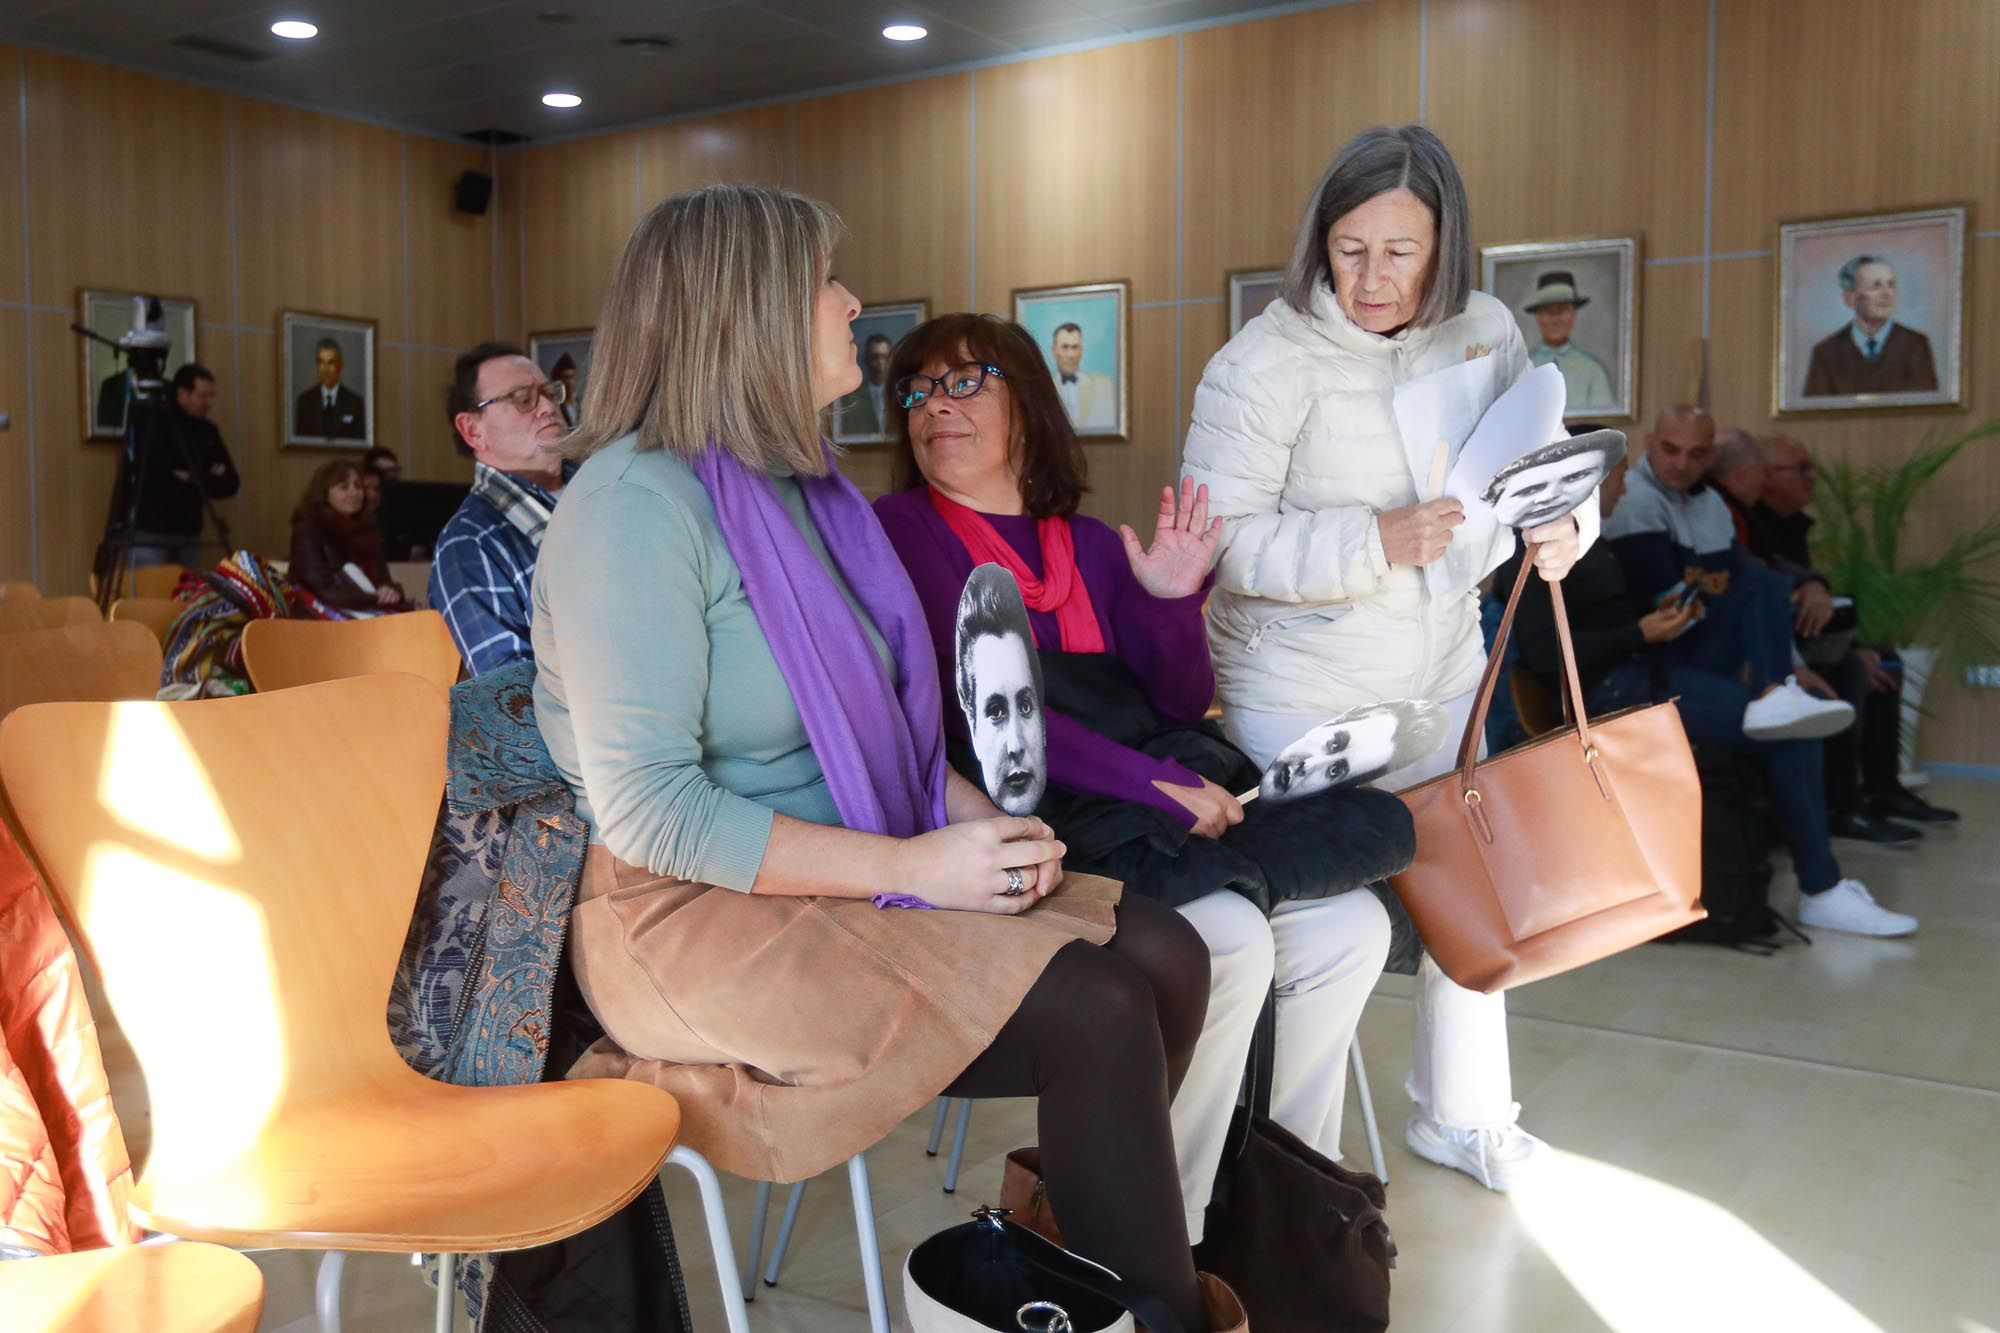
(508, 415)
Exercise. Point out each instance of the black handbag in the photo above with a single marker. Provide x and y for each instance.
(990, 1274)
(1301, 1238)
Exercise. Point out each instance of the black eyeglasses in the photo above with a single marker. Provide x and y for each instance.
(524, 397)
(959, 382)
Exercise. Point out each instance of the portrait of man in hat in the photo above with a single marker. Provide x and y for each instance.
(1554, 306)
(1871, 353)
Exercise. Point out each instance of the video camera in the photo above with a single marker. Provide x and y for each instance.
(145, 346)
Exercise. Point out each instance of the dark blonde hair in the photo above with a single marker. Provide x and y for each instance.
(706, 331)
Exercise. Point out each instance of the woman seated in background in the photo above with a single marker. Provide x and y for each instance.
(734, 676)
(988, 469)
(336, 547)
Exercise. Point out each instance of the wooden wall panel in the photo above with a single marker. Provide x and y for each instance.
(1204, 329)
(896, 162)
(11, 276)
(1076, 172)
(320, 218)
(577, 204)
(277, 477)
(1267, 105)
(16, 548)
(508, 274)
(742, 148)
(129, 184)
(1669, 342)
(72, 480)
(1848, 106)
(1126, 476)
(430, 453)
(1573, 117)
(451, 253)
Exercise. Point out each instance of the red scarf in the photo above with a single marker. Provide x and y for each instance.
(1060, 590)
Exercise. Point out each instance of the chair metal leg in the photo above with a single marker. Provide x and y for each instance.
(326, 1290)
(958, 1145)
(871, 1250)
(937, 1127)
(785, 1224)
(717, 1217)
(754, 1253)
(447, 1302)
(1361, 1090)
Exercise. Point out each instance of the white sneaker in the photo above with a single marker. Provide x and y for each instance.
(1494, 1157)
(1850, 907)
(1788, 713)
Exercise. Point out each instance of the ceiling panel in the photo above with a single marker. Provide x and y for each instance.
(447, 67)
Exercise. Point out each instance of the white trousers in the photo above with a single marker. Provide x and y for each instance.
(1459, 1074)
(1324, 956)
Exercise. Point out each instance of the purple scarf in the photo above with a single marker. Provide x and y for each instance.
(880, 742)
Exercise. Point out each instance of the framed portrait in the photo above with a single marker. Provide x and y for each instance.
(110, 314)
(1577, 304)
(564, 355)
(1871, 312)
(327, 380)
(1250, 290)
(1084, 332)
(862, 416)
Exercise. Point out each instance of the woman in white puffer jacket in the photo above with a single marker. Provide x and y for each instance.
(1343, 579)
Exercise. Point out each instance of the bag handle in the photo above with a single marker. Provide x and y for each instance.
(1475, 726)
(1091, 1276)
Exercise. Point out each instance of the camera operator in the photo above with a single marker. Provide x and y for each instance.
(175, 467)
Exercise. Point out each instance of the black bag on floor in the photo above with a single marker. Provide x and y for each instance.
(1735, 856)
(1301, 1238)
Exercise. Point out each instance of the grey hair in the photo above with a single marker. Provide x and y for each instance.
(1850, 272)
(1735, 447)
(1374, 162)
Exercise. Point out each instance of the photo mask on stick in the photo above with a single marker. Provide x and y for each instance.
(999, 682)
(1355, 746)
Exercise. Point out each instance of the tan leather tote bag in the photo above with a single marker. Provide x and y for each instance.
(1579, 844)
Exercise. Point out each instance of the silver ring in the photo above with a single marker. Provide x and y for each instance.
(1016, 884)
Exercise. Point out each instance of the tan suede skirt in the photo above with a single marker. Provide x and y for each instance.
(798, 1031)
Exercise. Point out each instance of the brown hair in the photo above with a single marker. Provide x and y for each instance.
(314, 503)
(1049, 455)
(706, 332)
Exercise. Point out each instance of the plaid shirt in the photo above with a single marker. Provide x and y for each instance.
(481, 579)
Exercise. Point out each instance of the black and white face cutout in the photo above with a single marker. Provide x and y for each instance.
(1543, 485)
(1356, 746)
(1000, 690)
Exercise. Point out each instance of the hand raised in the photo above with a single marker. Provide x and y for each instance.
(1185, 543)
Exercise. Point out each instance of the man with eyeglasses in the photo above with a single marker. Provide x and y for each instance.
(508, 416)
(1867, 677)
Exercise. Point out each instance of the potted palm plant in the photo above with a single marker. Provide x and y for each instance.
(1941, 611)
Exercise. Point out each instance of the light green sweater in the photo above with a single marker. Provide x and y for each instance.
(655, 689)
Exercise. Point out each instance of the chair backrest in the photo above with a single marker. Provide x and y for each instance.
(241, 873)
(157, 614)
(280, 654)
(1539, 710)
(79, 663)
(16, 591)
(156, 580)
(46, 613)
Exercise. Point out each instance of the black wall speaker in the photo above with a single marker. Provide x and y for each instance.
(472, 193)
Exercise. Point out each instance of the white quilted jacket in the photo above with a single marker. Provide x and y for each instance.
(1295, 435)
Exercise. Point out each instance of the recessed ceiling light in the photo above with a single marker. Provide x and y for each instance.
(296, 29)
(905, 32)
(561, 99)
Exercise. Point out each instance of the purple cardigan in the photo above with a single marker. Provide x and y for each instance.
(1161, 639)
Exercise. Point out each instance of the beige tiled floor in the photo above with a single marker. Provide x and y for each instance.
(1808, 1142)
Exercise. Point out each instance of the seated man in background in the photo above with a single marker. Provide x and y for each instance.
(1627, 656)
(507, 416)
(1863, 767)
(1741, 475)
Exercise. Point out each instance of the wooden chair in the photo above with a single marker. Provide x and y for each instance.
(1539, 710)
(78, 663)
(281, 654)
(46, 613)
(241, 872)
(155, 581)
(157, 614)
(17, 591)
(181, 1287)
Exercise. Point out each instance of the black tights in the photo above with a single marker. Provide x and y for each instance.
(1103, 1040)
